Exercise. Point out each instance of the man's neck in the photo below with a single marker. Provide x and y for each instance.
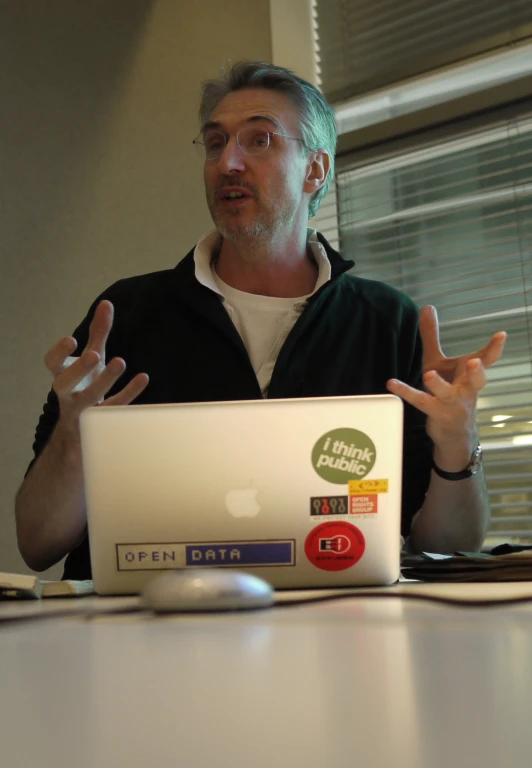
(284, 270)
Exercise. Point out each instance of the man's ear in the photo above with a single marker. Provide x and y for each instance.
(318, 167)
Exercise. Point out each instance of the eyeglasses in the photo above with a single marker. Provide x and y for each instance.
(251, 140)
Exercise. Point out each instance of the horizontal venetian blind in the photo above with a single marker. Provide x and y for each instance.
(451, 225)
(364, 45)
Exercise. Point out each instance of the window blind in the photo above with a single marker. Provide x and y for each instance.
(365, 45)
(450, 224)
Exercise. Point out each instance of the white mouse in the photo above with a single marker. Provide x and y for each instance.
(207, 589)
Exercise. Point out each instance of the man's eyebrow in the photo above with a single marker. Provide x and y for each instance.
(216, 125)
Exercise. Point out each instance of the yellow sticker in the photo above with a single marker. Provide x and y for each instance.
(360, 487)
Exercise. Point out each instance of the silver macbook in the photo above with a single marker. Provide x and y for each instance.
(304, 493)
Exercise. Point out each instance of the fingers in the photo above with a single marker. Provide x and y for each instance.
(101, 385)
(433, 356)
(91, 386)
(489, 354)
(438, 387)
(440, 391)
(420, 400)
(471, 381)
(75, 373)
(100, 327)
(476, 374)
(84, 381)
(130, 392)
(493, 350)
(88, 380)
(56, 355)
(474, 378)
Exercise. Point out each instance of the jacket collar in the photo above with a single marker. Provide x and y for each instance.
(184, 270)
(339, 265)
(207, 302)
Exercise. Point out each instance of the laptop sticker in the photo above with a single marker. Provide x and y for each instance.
(237, 553)
(152, 556)
(162, 556)
(372, 485)
(335, 546)
(366, 496)
(363, 505)
(343, 454)
(328, 505)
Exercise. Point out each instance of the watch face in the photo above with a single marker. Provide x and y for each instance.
(476, 461)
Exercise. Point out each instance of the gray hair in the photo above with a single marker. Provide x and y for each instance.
(318, 123)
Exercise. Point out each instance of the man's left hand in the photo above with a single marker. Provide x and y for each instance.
(452, 385)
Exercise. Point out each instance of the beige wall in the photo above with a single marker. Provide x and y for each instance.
(293, 31)
(98, 177)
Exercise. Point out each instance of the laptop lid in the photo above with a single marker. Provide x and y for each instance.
(303, 492)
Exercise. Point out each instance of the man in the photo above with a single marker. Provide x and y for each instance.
(262, 307)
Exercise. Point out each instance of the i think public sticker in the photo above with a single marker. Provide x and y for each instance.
(335, 546)
(343, 454)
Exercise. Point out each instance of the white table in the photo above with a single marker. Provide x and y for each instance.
(362, 682)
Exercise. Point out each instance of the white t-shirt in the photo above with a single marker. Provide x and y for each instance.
(263, 322)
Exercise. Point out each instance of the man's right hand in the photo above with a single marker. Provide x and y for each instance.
(50, 505)
(80, 382)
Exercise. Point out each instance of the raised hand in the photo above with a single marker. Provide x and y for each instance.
(80, 382)
(452, 385)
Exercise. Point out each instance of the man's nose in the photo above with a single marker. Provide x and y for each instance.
(232, 157)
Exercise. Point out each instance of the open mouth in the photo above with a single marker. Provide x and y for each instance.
(234, 196)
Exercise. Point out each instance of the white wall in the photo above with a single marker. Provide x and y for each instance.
(292, 29)
(98, 177)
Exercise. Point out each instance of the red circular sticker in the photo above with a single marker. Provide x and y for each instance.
(335, 546)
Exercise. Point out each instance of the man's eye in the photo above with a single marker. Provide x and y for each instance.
(260, 139)
(214, 142)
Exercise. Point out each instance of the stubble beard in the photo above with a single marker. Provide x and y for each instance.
(260, 228)
(239, 230)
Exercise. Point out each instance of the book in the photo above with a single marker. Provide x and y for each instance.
(67, 588)
(469, 566)
(19, 586)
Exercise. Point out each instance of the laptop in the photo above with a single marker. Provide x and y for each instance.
(302, 492)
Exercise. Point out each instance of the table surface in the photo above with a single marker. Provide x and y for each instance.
(369, 681)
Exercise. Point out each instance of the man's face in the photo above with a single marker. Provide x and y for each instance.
(272, 182)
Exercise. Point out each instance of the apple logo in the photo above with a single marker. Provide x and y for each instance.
(242, 502)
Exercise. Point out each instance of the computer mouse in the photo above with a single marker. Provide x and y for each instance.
(207, 589)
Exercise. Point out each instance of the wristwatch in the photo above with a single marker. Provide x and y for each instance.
(475, 462)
